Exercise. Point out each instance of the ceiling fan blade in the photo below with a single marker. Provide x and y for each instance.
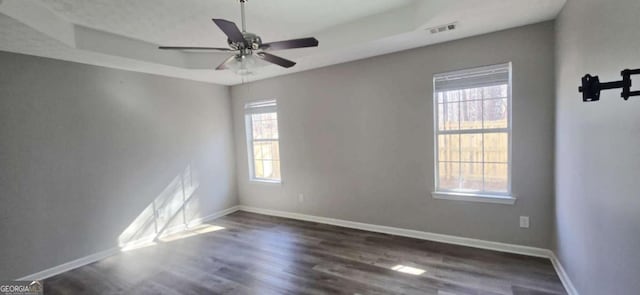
(223, 65)
(276, 59)
(230, 29)
(290, 44)
(194, 48)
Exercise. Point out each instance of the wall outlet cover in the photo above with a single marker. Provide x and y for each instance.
(524, 221)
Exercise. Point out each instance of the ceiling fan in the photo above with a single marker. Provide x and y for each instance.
(246, 46)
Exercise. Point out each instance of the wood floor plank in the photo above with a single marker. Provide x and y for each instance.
(259, 254)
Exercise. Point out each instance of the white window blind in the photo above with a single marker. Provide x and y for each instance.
(265, 106)
(472, 78)
(473, 131)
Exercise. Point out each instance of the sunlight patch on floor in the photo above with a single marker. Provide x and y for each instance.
(408, 269)
(198, 230)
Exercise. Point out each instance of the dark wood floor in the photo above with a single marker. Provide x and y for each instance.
(257, 254)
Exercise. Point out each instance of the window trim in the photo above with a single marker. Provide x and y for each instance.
(484, 197)
(480, 198)
(249, 137)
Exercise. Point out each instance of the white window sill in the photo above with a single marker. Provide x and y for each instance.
(470, 197)
(266, 181)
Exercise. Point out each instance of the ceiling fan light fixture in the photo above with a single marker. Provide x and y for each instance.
(244, 65)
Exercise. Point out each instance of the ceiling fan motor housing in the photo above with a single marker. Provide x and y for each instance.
(252, 42)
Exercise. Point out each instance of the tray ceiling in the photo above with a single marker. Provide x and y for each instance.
(124, 34)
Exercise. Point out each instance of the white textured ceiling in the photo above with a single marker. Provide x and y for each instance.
(189, 21)
(124, 33)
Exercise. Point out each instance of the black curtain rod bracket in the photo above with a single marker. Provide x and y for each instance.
(591, 86)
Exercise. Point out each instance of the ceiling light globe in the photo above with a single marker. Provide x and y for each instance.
(244, 64)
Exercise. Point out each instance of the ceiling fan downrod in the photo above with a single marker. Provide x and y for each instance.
(244, 24)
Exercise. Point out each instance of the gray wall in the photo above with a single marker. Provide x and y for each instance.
(598, 149)
(84, 150)
(357, 139)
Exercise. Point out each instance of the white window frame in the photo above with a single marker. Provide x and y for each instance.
(484, 197)
(257, 107)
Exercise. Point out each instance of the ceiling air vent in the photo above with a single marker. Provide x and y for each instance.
(443, 28)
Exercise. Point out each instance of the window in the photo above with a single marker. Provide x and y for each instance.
(473, 133)
(262, 141)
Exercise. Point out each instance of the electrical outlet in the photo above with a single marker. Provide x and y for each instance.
(300, 198)
(524, 221)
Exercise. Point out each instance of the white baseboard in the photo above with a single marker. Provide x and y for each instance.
(58, 269)
(213, 216)
(564, 277)
(449, 239)
(47, 273)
